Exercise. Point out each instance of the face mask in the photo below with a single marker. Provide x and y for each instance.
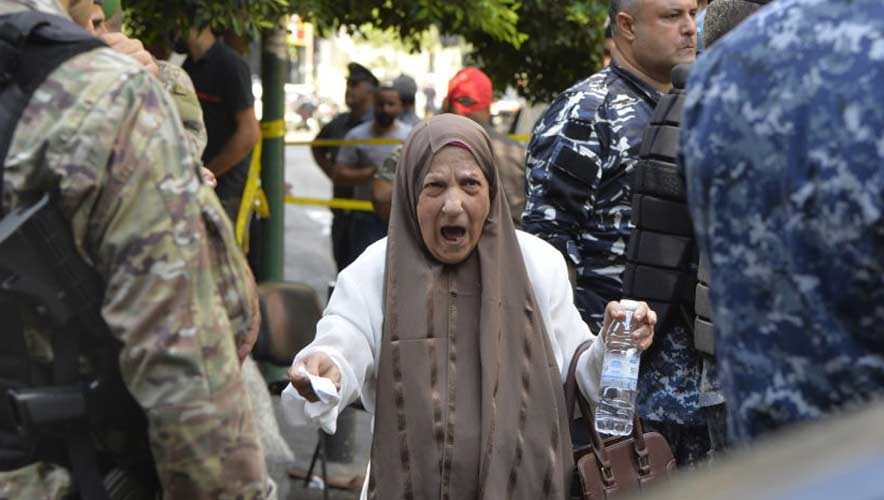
(179, 44)
(384, 119)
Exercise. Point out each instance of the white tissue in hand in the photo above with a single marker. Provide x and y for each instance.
(298, 411)
(323, 387)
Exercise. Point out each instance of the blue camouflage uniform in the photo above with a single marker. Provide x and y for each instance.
(579, 168)
(784, 153)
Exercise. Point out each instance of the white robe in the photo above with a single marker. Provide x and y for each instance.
(351, 326)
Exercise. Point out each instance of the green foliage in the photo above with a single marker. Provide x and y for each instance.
(410, 19)
(152, 21)
(540, 47)
(565, 44)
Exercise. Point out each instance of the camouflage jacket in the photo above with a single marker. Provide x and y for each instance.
(179, 85)
(783, 149)
(104, 134)
(579, 166)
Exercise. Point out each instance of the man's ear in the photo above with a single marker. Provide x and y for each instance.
(625, 25)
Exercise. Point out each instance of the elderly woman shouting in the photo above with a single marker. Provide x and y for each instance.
(456, 331)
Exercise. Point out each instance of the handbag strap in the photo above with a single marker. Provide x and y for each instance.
(571, 389)
(572, 396)
(641, 448)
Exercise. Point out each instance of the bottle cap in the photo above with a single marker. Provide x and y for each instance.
(629, 305)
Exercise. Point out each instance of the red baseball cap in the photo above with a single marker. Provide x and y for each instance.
(469, 90)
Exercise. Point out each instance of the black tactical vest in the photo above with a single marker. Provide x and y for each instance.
(662, 256)
(73, 409)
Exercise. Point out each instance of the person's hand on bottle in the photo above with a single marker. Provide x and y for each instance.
(644, 320)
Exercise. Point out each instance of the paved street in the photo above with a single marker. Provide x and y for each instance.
(309, 260)
(308, 229)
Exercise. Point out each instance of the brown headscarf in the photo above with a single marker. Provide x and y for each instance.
(469, 398)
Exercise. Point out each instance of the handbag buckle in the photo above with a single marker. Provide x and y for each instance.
(607, 475)
(643, 459)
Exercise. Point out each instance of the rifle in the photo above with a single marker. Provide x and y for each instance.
(41, 270)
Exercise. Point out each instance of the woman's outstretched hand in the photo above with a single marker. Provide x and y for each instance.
(318, 364)
(644, 320)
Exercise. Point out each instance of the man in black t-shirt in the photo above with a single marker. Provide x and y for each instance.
(224, 87)
(361, 85)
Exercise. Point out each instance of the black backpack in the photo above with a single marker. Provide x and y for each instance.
(53, 410)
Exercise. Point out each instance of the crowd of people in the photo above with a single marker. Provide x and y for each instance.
(737, 195)
(583, 197)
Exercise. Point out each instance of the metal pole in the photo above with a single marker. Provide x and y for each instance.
(274, 56)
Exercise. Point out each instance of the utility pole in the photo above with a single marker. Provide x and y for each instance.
(274, 59)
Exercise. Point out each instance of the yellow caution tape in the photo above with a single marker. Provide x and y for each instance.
(342, 203)
(344, 142)
(273, 130)
(372, 142)
(262, 206)
(249, 196)
(254, 198)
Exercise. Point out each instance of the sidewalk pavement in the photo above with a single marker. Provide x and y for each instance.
(302, 441)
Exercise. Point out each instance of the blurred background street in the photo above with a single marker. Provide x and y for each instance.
(308, 260)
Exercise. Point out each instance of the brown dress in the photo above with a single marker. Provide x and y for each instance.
(468, 392)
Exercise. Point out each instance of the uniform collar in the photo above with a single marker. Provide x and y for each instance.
(643, 88)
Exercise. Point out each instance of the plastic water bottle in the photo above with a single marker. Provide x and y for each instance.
(614, 413)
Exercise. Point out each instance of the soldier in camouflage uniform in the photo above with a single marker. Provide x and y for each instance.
(178, 294)
(580, 163)
(783, 150)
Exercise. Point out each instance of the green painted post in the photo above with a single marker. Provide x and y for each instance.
(274, 55)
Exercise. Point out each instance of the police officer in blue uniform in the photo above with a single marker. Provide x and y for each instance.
(783, 154)
(580, 164)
